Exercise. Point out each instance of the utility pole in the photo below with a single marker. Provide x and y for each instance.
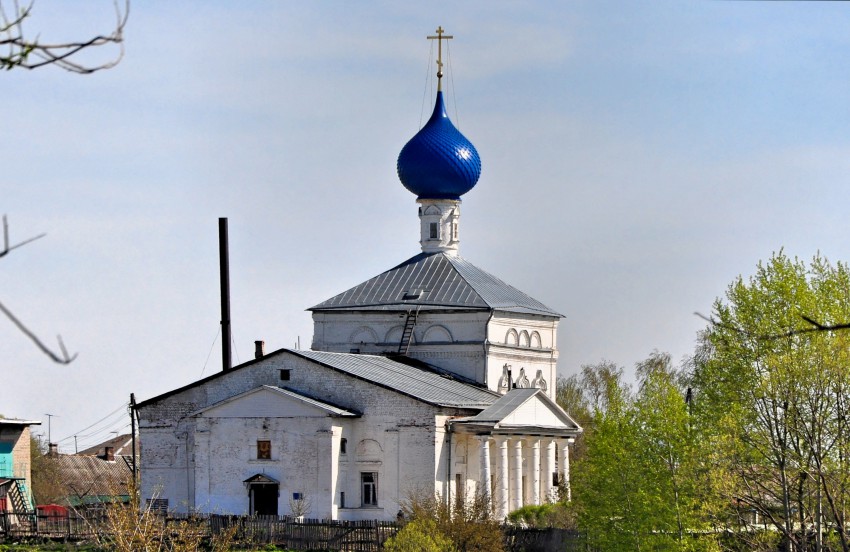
(49, 420)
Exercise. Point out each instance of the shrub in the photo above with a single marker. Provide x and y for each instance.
(420, 535)
(468, 522)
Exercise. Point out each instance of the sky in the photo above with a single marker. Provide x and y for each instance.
(637, 158)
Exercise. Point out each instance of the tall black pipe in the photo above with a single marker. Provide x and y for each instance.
(133, 434)
(224, 262)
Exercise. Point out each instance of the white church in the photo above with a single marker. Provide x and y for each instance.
(433, 375)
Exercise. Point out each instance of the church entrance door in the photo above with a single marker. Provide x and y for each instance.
(263, 492)
(264, 499)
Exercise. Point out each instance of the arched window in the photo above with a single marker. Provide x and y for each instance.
(535, 340)
(524, 340)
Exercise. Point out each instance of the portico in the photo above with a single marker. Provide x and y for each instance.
(522, 444)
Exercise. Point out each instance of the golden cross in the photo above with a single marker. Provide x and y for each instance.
(440, 38)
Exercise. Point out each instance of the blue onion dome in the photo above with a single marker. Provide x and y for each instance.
(439, 162)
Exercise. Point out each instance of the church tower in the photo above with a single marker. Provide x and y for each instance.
(436, 308)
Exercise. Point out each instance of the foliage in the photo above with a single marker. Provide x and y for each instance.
(771, 399)
(47, 486)
(468, 522)
(638, 485)
(537, 516)
(133, 529)
(420, 535)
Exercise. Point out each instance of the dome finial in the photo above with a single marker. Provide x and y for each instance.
(440, 38)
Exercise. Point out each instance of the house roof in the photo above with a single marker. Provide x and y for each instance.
(19, 423)
(435, 281)
(89, 479)
(122, 445)
(424, 385)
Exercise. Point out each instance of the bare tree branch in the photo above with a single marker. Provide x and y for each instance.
(30, 54)
(64, 358)
(818, 327)
(6, 247)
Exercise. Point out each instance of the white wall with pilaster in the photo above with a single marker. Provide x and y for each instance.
(528, 344)
(398, 438)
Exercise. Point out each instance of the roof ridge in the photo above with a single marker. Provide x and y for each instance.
(450, 280)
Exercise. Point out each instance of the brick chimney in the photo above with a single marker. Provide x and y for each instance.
(259, 349)
(52, 450)
(109, 454)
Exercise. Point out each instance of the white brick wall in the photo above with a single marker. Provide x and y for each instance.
(200, 461)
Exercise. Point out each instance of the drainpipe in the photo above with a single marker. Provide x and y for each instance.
(484, 346)
(449, 464)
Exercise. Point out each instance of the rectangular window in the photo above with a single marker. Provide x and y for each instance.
(343, 445)
(435, 231)
(264, 450)
(342, 499)
(454, 231)
(157, 505)
(369, 487)
(284, 375)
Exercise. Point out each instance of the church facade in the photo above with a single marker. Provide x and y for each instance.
(434, 375)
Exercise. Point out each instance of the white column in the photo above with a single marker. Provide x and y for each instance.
(502, 479)
(484, 466)
(547, 466)
(565, 467)
(516, 474)
(534, 461)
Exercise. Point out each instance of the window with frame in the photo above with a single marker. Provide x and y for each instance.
(434, 231)
(264, 450)
(343, 445)
(369, 488)
(157, 505)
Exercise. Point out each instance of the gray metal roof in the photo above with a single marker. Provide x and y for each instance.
(331, 409)
(415, 382)
(505, 405)
(493, 416)
(435, 281)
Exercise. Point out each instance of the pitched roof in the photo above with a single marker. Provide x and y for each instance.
(122, 445)
(329, 409)
(523, 410)
(89, 479)
(418, 383)
(435, 281)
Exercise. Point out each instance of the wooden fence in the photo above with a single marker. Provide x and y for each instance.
(282, 531)
(307, 534)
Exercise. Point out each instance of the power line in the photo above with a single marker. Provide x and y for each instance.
(122, 407)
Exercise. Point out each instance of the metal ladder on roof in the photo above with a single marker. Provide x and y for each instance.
(407, 332)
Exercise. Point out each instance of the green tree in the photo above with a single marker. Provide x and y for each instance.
(771, 401)
(639, 485)
(47, 486)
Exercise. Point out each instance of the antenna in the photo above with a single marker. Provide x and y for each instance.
(49, 420)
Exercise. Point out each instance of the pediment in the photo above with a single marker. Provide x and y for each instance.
(526, 409)
(271, 402)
